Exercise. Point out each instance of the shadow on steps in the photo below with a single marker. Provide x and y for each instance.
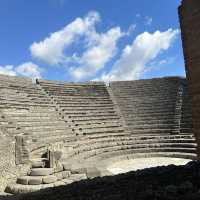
(158, 183)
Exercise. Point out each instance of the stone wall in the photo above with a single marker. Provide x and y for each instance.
(189, 13)
(8, 169)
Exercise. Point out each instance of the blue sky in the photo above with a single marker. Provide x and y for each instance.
(78, 40)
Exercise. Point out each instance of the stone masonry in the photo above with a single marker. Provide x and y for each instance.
(189, 13)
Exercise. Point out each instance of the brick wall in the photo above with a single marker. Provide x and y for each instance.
(189, 13)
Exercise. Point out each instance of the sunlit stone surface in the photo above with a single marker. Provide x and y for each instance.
(142, 163)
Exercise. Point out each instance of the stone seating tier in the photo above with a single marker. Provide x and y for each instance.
(30, 112)
(83, 103)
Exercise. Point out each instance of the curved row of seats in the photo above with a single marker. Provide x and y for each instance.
(87, 106)
(158, 107)
(26, 110)
(155, 113)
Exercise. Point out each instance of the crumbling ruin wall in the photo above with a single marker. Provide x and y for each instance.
(8, 169)
(189, 13)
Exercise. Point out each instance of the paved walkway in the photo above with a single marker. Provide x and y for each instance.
(142, 163)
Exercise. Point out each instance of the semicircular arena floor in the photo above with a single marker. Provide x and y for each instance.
(142, 163)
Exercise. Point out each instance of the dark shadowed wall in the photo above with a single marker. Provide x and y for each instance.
(189, 13)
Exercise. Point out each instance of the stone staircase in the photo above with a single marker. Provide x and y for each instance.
(41, 177)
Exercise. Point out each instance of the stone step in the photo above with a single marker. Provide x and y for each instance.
(153, 113)
(136, 141)
(150, 131)
(30, 113)
(151, 105)
(129, 154)
(45, 128)
(49, 136)
(36, 180)
(85, 112)
(150, 126)
(134, 102)
(33, 119)
(41, 171)
(103, 130)
(87, 109)
(138, 137)
(85, 104)
(19, 188)
(87, 118)
(38, 163)
(97, 122)
(147, 118)
(41, 123)
(92, 115)
(95, 153)
(150, 121)
(100, 125)
(88, 96)
(69, 101)
(130, 144)
(161, 98)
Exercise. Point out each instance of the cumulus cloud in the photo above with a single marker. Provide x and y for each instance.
(27, 69)
(51, 49)
(97, 48)
(102, 47)
(135, 57)
(131, 28)
(7, 70)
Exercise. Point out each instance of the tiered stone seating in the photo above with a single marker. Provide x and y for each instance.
(87, 106)
(28, 111)
(89, 109)
(151, 108)
(93, 124)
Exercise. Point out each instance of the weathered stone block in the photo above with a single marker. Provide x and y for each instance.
(23, 180)
(41, 171)
(49, 179)
(35, 180)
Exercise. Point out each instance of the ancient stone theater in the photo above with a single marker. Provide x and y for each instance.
(57, 132)
(54, 133)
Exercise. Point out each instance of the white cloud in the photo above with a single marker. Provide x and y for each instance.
(28, 69)
(148, 20)
(97, 49)
(7, 70)
(135, 57)
(51, 49)
(131, 28)
(102, 47)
